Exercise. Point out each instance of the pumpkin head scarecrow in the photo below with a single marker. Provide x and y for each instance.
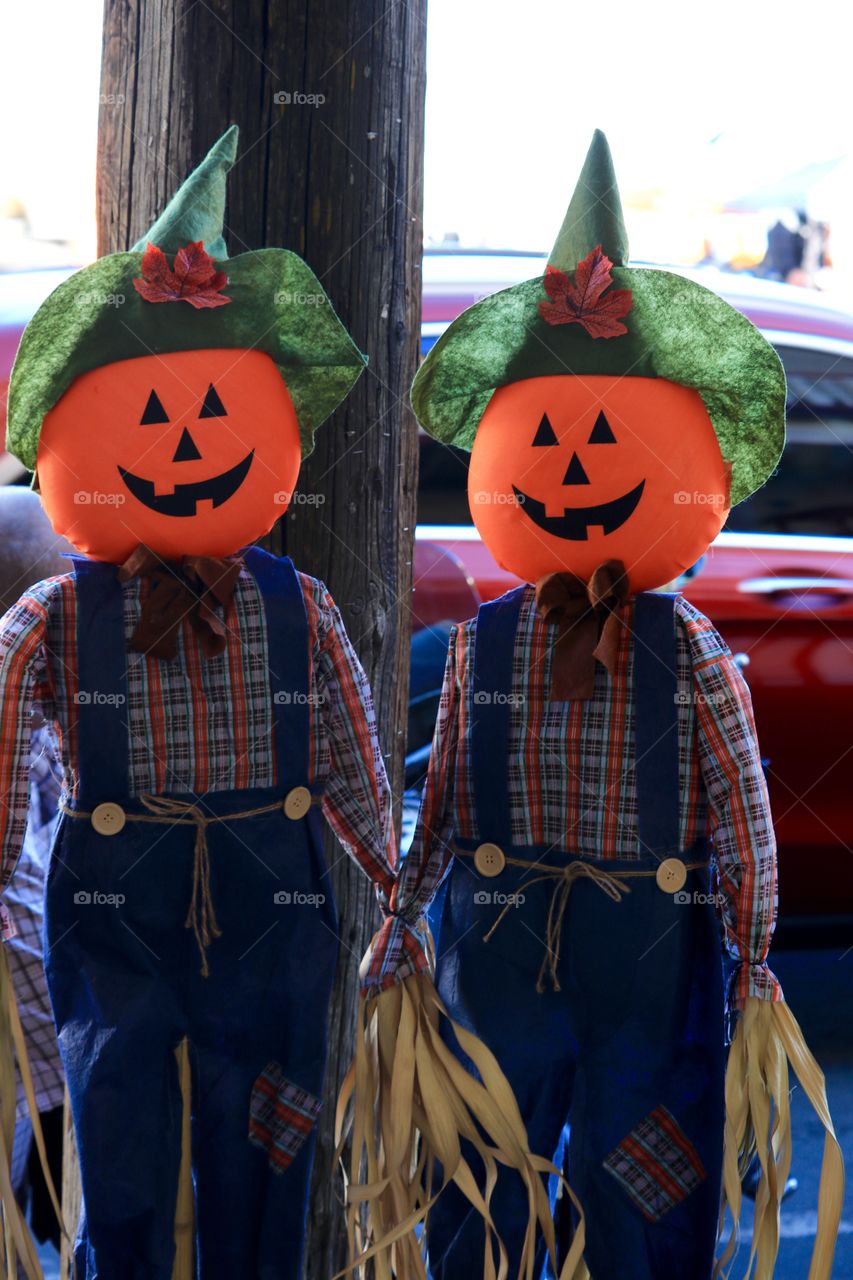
(209, 707)
(166, 396)
(595, 803)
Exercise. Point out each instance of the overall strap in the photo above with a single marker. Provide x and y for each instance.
(102, 747)
(288, 658)
(656, 722)
(494, 646)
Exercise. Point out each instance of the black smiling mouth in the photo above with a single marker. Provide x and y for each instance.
(182, 502)
(576, 521)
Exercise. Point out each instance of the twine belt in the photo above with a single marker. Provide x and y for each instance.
(609, 882)
(201, 916)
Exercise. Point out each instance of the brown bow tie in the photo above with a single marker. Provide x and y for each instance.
(587, 627)
(190, 589)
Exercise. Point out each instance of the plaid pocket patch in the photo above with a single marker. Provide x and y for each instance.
(656, 1164)
(281, 1116)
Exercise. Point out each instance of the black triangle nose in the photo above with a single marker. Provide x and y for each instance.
(575, 473)
(186, 450)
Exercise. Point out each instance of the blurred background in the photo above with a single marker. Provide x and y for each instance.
(729, 125)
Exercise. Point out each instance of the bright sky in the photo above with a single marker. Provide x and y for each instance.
(704, 101)
(50, 53)
(515, 91)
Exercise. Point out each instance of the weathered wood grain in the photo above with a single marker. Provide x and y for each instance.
(340, 183)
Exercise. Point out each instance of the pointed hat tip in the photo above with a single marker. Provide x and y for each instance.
(225, 148)
(599, 153)
(594, 215)
(197, 209)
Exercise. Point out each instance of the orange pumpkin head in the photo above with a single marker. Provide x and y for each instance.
(612, 412)
(190, 453)
(567, 472)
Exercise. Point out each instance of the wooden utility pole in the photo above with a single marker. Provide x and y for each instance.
(329, 100)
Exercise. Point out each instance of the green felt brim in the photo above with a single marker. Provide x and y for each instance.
(677, 329)
(96, 317)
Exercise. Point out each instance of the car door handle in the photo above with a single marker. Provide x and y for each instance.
(772, 586)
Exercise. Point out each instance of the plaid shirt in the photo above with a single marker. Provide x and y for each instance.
(25, 950)
(198, 724)
(572, 784)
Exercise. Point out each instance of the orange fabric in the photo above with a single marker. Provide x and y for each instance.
(569, 471)
(190, 453)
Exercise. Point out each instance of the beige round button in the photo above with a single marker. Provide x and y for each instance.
(671, 875)
(297, 802)
(108, 819)
(489, 860)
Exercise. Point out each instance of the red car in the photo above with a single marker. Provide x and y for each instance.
(777, 583)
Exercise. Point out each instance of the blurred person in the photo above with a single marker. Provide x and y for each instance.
(786, 245)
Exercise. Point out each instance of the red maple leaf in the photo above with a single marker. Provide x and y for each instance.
(581, 301)
(193, 279)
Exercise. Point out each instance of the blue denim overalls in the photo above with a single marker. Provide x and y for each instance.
(629, 1052)
(125, 981)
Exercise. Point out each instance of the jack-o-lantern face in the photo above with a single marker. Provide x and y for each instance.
(191, 453)
(567, 472)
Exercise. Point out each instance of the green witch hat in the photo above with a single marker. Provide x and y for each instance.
(583, 318)
(134, 304)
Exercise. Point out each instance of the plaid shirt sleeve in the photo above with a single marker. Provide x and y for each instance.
(398, 950)
(743, 836)
(23, 681)
(347, 756)
(25, 896)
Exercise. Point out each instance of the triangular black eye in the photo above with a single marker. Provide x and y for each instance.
(602, 432)
(545, 432)
(213, 406)
(153, 411)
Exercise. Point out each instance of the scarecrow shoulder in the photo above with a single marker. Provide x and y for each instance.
(24, 626)
(316, 593)
(463, 635)
(48, 593)
(319, 605)
(325, 624)
(704, 641)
